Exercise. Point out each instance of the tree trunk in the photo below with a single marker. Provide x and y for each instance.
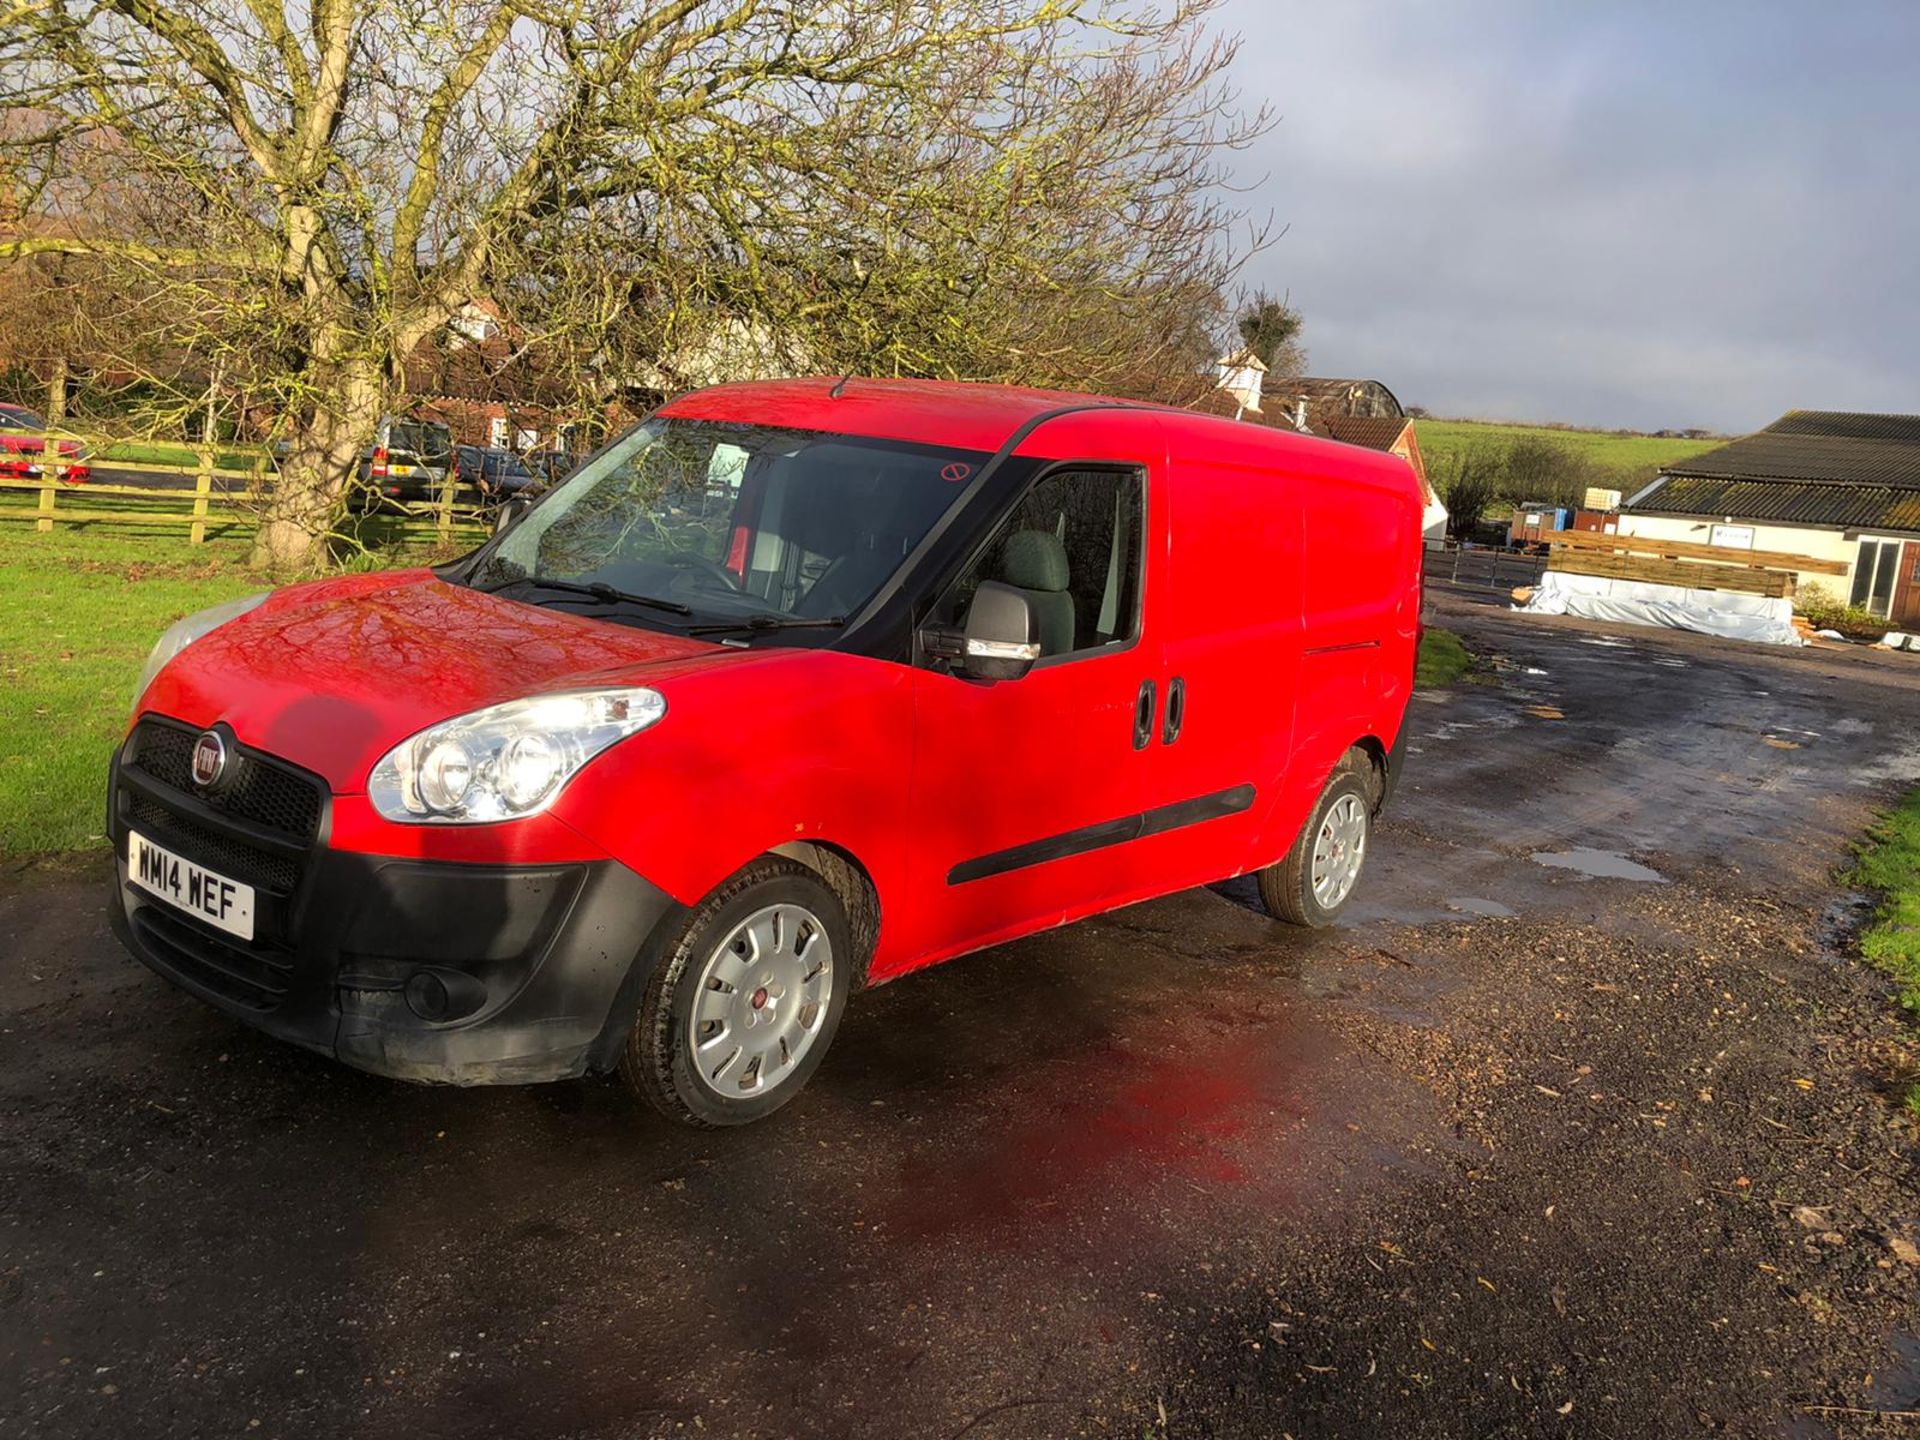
(309, 494)
(57, 392)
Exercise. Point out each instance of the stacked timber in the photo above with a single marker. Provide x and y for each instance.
(1684, 563)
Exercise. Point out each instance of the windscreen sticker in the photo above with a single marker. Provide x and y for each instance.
(956, 472)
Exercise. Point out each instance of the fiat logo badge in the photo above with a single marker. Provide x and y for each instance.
(209, 759)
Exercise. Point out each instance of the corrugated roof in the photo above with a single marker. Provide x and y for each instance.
(1836, 447)
(1850, 507)
(1374, 432)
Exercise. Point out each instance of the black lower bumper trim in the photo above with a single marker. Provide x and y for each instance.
(533, 966)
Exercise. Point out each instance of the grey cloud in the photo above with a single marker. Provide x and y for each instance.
(1632, 214)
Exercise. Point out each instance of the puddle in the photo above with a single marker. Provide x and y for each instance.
(1533, 670)
(1901, 764)
(1606, 642)
(1672, 664)
(1598, 865)
(1846, 915)
(1851, 726)
(1896, 1386)
(1468, 905)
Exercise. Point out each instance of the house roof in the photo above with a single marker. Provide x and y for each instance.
(1375, 432)
(1819, 447)
(1813, 503)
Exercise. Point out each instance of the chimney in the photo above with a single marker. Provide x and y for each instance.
(1240, 377)
(1300, 414)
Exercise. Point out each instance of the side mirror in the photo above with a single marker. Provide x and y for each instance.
(1000, 641)
(509, 512)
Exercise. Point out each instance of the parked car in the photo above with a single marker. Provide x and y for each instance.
(23, 448)
(406, 464)
(497, 474)
(552, 465)
(794, 688)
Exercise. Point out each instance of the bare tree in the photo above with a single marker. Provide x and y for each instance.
(996, 188)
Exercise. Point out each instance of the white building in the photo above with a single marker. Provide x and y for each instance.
(1829, 485)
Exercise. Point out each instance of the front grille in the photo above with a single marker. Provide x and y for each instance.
(263, 792)
(232, 857)
(253, 977)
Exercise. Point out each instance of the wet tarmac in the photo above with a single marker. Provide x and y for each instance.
(1516, 1149)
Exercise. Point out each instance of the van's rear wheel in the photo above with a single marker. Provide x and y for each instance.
(1313, 882)
(745, 1000)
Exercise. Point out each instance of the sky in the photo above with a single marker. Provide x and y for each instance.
(1656, 214)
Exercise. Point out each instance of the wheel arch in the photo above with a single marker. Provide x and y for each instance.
(1379, 779)
(840, 869)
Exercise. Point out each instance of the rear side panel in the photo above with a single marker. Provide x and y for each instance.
(1360, 615)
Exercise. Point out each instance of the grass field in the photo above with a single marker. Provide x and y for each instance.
(78, 613)
(1442, 660)
(147, 452)
(1889, 865)
(1631, 458)
(79, 610)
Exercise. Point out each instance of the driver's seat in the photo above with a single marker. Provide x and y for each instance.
(1034, 562)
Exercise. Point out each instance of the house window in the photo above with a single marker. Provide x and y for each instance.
(497, 431)
(1873, 574)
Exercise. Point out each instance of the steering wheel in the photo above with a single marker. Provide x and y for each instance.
(690, 560)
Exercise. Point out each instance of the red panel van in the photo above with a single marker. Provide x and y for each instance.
(793, 688)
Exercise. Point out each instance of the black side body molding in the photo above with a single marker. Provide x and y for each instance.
(1157, 821)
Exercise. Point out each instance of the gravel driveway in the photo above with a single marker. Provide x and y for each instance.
(1580, 1126)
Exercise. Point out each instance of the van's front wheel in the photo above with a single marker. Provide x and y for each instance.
(745, 1000)
(1313, 882)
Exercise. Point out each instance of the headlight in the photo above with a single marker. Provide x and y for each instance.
(507, 760)
(183, 633)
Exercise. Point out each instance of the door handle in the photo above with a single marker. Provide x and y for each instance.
(1143, 715)
(1176, 710)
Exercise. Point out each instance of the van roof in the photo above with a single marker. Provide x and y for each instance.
(967, 415)
(962, 414)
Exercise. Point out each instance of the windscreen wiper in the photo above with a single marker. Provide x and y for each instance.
(595, 589)
(771, 622)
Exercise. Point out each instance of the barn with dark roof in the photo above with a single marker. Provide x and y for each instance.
(1833, 485)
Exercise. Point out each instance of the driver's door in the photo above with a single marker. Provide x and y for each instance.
(1025, 792)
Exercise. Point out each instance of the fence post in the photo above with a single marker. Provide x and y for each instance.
(45, 522)
(444, 522)
(202, 489)
(256, 475)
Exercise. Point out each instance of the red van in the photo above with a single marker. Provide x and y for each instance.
(790, 690)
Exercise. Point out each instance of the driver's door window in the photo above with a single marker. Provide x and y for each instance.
(1072, 547)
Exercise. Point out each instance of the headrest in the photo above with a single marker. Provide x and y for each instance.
(1034, 560)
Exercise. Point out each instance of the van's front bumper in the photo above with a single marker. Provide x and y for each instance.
(431, 970)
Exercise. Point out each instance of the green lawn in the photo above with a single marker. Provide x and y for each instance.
(1442, 660)
(78, 612)
(1632, 458)
(149, 452)
(1889, 864)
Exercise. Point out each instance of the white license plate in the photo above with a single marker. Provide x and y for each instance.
(222, 903)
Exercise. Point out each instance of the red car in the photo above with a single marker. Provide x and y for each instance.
(23, 448)
(790, 690)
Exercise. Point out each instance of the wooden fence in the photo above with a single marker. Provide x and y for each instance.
(220, 497)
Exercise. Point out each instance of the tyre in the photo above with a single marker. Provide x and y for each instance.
(745, 1000)
(1312, 883)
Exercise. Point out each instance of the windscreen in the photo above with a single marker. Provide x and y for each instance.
(735, 520)
(420, 437)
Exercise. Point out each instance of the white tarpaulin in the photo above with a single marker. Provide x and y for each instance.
(1635, 602)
